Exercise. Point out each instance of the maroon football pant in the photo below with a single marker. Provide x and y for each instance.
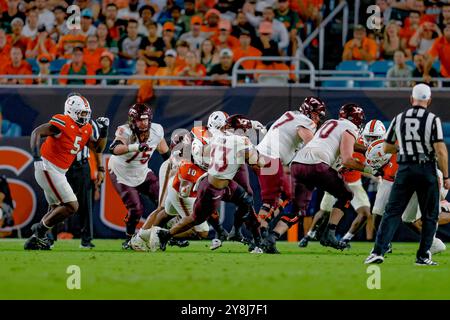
(131, 199)
(273, 182)
(306, 177)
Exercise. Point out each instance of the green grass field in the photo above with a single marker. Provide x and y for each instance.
(230, 272)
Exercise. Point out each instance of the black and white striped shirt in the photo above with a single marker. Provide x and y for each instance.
(416, 130)
(84, 153)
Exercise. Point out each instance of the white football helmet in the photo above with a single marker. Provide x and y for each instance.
(374, 130)
(201, 139)
(78, 108)
(375, 155)
(217, 120)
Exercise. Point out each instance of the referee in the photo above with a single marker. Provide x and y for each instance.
(420, 140)
(79, 178)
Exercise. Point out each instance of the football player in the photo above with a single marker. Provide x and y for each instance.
(312, 167)
(284, 138)
(373, 130)
(66, 134)
(230, 149)
(132, 148)
(180, 197)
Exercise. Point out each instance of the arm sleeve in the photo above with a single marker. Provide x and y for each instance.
(95, 131)
(436, 131)
(390, 133)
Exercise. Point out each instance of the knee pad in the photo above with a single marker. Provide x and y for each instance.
(290, 218)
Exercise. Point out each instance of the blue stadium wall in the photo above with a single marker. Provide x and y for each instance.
(30, 107)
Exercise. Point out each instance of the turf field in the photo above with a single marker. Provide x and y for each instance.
(230, 272)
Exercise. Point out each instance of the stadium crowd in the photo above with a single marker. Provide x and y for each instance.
(196, 38)
(411, 30)
(149, 37)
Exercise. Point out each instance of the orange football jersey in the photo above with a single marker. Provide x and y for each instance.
(351, 176)
(62, 148)
(187, 172)
(390, 170)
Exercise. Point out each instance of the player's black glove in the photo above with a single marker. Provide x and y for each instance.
(143, 147)
(103, 125)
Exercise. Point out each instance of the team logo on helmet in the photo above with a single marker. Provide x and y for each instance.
(77, 107)
(353, 113)
(140, 112)
(313, 105)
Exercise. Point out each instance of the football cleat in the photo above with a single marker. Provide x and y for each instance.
(222, 234)
(87, 245)
(215, 244)
(269, 245)
(345, 243)
(178, 242)
(329, 240)
(257, 250)
(138, 244)
(425, 261)
(126, 244)
(35, 243)
(374, 258)
(304, 242)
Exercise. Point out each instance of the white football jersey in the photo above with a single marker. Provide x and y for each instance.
(227, 155)
(132, 168)
(282, 140)
(325, 145)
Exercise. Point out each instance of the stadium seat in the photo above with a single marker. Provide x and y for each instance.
(380, 68)
(34, 65)
(337, 84)
(352, 65)
(56, 65)
(437, 65)
(10, 129)
(411, 64)
(125, 71)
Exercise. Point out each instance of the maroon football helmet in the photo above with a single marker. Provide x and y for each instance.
(238, 122)
(353, 113)
(313, 105)
(139, 111)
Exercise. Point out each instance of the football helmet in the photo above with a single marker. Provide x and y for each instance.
(238, 123)
(139, 111)
(353, 113)
(313, 105)
(375, 155)
(373, 130)
(77, 107)
(217, 120)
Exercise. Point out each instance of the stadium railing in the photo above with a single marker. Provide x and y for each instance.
(320, 31)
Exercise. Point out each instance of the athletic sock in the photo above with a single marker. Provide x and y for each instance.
(311, 234)
(348, 236)
(144, 234)
(42, 229)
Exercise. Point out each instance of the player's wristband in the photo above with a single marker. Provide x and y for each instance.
(445, 178)
(133, 147)
(101, 169)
